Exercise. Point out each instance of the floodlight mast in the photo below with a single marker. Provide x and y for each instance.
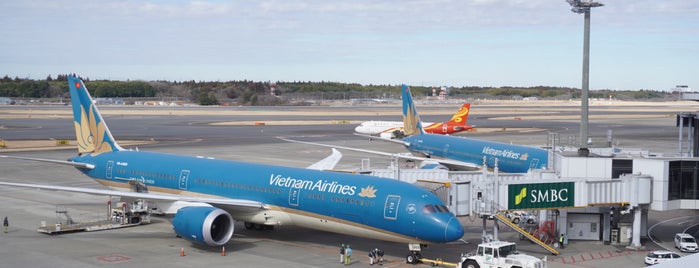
(583, 7)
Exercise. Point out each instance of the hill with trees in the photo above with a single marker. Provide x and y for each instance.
(286, 93)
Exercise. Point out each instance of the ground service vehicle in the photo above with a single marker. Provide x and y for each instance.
(500, 254)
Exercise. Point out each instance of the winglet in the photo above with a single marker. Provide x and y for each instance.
(91, 131)
(411, 120)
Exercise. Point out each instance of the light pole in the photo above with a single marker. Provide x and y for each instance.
(580, 6)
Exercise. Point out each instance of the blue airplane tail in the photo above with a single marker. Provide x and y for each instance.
(411, 119)
(91, 131)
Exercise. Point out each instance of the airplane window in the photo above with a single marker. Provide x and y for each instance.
(428, 209)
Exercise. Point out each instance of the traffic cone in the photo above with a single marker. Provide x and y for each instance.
(223, 251)
(182, 252)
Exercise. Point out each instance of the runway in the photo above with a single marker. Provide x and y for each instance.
(155, 245)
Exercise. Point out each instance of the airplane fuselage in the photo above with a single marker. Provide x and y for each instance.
(347, 203)
(510, 158)
(378, 127)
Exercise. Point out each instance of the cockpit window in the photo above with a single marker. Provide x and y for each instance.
(442, 208)
(429, 209)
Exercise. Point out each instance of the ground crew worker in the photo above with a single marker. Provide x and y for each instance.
(560, 241)
(5, 224)
(379, 255)
(372, 256)
(348, 255)
(342, 253)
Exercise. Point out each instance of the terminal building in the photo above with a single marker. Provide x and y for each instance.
(605, 196)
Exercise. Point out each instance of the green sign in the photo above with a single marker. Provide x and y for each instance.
(541, 195)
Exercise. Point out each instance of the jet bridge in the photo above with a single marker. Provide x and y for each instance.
(487, 194)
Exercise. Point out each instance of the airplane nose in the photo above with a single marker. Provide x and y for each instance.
(453, 231)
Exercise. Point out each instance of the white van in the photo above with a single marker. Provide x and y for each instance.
(685, 242)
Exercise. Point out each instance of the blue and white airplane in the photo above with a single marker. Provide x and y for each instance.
(206, 195)
(456, 152)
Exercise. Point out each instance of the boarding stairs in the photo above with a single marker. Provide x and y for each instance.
(536, 239)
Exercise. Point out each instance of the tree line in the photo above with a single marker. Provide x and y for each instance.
(246, 92)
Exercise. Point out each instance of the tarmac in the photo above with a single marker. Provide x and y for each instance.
(155, 244)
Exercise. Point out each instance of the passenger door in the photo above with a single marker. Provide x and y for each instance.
(110, 169)
(184, 176)
(391, 207)
(294, 195)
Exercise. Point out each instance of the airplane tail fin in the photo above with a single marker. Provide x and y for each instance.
(411, 119)
(461, 116)
(91, 131)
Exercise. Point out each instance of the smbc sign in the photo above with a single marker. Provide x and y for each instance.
(541, 195)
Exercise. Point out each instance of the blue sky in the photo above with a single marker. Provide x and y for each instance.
(635, 44)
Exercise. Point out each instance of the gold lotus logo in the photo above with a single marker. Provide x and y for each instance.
(90, 134)
(410, 121)
(369, 192)
(524, 157)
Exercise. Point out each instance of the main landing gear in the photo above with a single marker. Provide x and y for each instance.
(259, 227)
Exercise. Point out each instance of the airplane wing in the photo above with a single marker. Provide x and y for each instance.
(329, 162)
(382, 139)
(452, 164)
(233, 204)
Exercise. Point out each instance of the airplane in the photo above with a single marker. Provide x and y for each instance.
(206, 195)
(454, 152)
(394, 129)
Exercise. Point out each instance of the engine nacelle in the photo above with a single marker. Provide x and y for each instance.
(204, 225)
(432, 165)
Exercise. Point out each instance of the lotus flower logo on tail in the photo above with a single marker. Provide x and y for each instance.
(91, 132)
(411, 119)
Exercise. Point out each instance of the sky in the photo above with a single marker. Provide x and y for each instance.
(634, 44)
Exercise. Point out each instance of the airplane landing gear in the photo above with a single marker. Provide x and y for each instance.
(255, 226)
(414, 255)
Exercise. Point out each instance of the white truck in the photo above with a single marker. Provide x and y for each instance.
(500, 254)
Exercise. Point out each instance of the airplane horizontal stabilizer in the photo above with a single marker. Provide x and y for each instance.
(329, 162)
(62, 162)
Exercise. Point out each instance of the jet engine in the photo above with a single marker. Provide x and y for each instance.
(432, 165)
(204, 225)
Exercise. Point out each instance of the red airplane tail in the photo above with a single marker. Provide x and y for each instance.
(457, 123)
(461, 116)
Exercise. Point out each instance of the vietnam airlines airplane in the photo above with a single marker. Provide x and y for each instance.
(394, 129)
(206, 195)
(457, 152)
